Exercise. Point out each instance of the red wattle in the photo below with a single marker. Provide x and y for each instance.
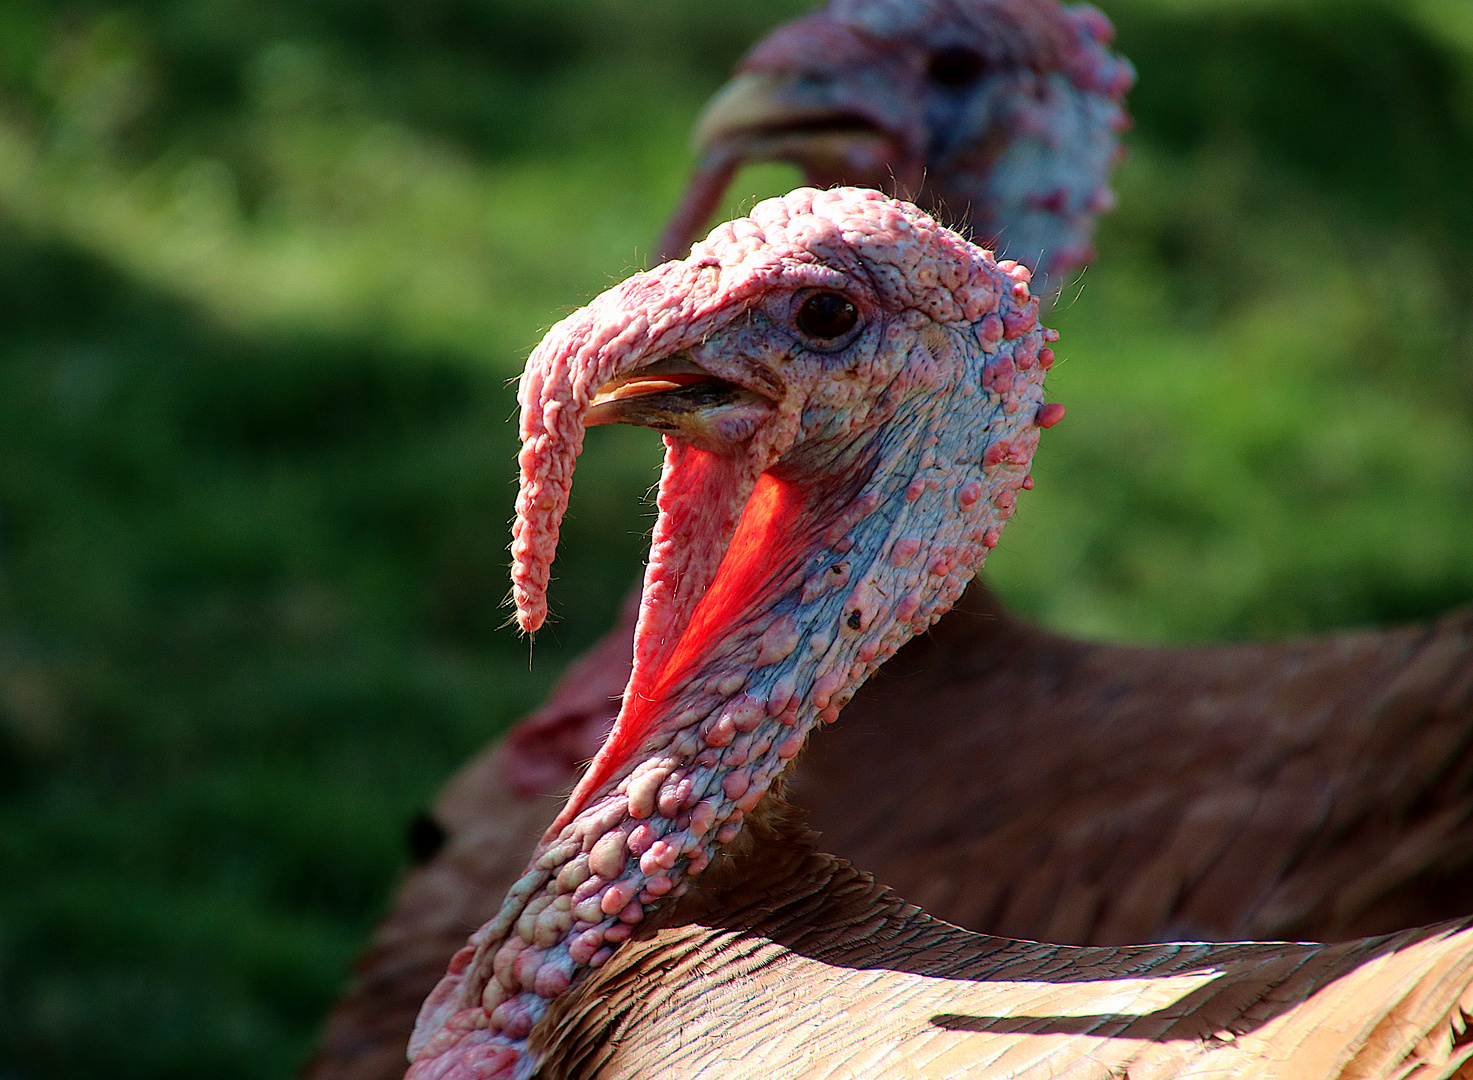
(762, 545)
(764, 540)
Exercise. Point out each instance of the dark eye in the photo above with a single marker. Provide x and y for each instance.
(827, 315)
(955, 68)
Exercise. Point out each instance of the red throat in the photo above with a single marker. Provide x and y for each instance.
(767, 536)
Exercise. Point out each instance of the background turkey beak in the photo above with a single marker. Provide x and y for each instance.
(760, 116)
(754, 101)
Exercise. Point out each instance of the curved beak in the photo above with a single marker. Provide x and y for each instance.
(754, 104)
(758, 116)
(762, 116)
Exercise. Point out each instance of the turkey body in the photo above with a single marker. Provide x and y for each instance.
(807, 968)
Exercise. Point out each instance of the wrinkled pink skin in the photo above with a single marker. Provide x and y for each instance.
(1020, 155)
(903, 443)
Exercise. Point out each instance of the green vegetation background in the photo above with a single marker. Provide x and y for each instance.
(265, 268)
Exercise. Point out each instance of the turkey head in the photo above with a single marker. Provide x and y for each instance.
(998, 115)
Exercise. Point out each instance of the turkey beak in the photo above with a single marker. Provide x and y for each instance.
(761, 116)
(749, 101)
(680, 398)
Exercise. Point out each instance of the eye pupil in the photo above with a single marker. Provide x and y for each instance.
(956, 67)
(827, 316)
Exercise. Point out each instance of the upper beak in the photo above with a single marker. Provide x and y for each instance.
(754, 101)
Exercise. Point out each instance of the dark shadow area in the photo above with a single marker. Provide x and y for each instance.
(1028, 1025)
(1181, 1019)
(250, 590)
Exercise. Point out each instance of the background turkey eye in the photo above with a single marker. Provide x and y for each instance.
(827, 315)
(956, 67)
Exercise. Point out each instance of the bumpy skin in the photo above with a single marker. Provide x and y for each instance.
(1002, 116)
(1016, 150)
(836, 506)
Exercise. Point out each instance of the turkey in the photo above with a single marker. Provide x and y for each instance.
(851, 396)
(1000, 114)
(1039, 786)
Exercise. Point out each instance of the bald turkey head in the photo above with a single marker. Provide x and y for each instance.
(1000, 115)
(851, 395)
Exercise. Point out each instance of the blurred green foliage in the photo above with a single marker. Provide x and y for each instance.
(265, 269)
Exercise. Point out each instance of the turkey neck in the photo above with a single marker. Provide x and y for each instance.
(779, 640)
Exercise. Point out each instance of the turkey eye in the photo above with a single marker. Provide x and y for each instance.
(955, 68)
(827, 315)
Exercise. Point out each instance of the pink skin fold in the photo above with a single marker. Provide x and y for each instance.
(843, 492)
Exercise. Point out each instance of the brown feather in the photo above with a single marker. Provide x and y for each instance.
(804, 967)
